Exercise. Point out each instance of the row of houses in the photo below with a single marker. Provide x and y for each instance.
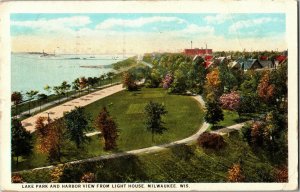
(243, 63)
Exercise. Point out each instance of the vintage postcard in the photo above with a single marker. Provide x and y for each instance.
(149, 95)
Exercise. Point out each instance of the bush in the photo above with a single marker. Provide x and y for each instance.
(281, 174)
(235, 174)
(211, 141)
(88, 178)
(17, 179)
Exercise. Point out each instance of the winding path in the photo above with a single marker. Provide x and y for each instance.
(58, 111)
(152, 149)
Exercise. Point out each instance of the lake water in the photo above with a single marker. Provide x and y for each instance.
(33, 72)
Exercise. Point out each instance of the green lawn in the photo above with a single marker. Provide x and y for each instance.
(127, 108)
(183, 119)
(180, 163)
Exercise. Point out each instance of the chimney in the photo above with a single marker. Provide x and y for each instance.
(191, 44)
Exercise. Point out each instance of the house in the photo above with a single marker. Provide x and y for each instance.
(245, 64)
(208, 60)
(251, 64)
(267, 64)
(220, 60)
(279, 60)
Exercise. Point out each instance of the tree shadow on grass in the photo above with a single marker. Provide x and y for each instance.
(183, 151)
(127, 168)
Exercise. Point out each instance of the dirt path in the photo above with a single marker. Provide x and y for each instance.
(58, 111)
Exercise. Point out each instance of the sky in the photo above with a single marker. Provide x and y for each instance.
(140, 32)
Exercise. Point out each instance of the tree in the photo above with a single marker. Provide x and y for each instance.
(101, 78)
(76, 124)
(167, 81)
(50, 137)
(21, 144)
(227, 78)
(128, 82)
(108, 128)
(82, 83)
(48, 89)
(230, 101)
(76, 85)
(31, 94)
(16, 98)
(42, 98)
(213, 85)
(65, 87)
(154, 123)
(266, 90)
(110, 76)
(213, 113)
(90, 83)
(58, 91)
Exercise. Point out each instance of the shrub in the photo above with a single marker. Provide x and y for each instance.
(88, 178)
(56, 173)
(211, 141)
(281, 174)
(16, 178)
(235, 174)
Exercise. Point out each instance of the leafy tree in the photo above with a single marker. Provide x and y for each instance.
(50, 137)
(154, 79)
(16, 98)
(213, 85)
(58, 91)
(31, 94)
(83, 83)
(227, 78)
(128, 82)
(108, 128)
(65, 88)
(230, 101)
(42, 98)
(213, 113)
(154, 123)
(48, 89)
(197, 75)
(167, 81)
(76, 124)
(21, 144)
(266, 90)
(90, 82)
(248, 104)
(76, 85)
(101, 78)
(110, 76)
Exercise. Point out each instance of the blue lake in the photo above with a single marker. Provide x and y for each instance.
(33, 72)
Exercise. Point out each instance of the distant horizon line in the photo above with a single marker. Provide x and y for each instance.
(135, 53)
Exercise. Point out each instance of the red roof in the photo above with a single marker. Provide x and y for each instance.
(281, 58)
(263, 58)
(208, 57)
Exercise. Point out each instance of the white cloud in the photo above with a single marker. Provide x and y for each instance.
(217, 19)
(135, 23)
(249, 23)
(193, 28)
(60, 24)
